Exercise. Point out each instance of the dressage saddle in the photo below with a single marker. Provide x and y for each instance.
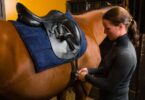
(63, 33)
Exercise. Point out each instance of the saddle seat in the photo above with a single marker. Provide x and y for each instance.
(63, 32)
(32, 19)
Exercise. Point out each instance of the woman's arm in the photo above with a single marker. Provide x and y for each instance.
(98, 71)
(121, 69)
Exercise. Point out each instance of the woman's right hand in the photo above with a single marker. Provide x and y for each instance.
(82, 73)
(83, 70)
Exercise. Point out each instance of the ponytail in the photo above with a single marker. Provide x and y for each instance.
(134, 33)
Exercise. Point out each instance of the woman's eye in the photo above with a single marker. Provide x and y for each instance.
(107, 29)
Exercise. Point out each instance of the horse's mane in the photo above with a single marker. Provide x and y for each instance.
(93, 12)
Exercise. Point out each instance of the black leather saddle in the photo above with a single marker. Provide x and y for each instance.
(63, 33)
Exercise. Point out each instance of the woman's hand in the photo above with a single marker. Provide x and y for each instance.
(82, 73)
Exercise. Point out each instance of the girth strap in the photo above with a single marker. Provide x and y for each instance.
(74, 76)
(74, 72)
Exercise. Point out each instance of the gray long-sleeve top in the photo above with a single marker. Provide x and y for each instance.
(117, 69)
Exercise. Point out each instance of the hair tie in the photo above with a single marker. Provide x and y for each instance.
(132, 20)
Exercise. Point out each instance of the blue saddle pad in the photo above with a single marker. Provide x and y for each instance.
(39, 46)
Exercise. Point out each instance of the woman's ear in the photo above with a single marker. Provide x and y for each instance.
(121, 26)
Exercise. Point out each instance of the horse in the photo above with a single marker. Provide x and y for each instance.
(18, 79)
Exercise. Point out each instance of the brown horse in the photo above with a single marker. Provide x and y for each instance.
(18, 79)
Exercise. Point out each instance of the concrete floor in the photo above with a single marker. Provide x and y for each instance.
(71, 96)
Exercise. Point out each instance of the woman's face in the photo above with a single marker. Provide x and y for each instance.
(111, 30)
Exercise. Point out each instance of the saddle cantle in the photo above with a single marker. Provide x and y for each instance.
(26, 16)
(63, 33)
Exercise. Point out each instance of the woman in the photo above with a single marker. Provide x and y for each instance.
(114, 76)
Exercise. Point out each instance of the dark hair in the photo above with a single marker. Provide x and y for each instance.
(119, 15)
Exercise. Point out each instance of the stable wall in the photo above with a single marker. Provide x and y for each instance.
(39, 7)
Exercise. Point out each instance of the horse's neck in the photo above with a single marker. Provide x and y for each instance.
(92, 54)
(91, 24)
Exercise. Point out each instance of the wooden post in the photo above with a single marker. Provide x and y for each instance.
(2, 10)
(141, 87)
